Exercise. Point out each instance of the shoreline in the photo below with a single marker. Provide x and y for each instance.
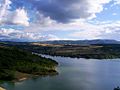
(1, 88)
(24, 76)
(76, 56)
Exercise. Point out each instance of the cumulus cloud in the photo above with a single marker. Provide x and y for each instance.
(56, 15)
(16, 17)
(16, 35)
(20, 17)
(67, 10)
(62, 11)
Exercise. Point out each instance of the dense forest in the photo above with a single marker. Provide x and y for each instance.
(15, 62)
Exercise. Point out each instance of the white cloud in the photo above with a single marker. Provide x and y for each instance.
(102, 30)
(114, 14)
(67, 10)
(96, 6)
(86, 34)
(17, 17)
(20, 17)
(16, 35)
(3, 8)
(81, 29)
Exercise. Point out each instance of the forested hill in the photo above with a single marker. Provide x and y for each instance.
(15, 61)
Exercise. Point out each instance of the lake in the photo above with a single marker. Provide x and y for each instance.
(75, 74)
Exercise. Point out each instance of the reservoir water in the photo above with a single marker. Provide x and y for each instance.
(75, 74)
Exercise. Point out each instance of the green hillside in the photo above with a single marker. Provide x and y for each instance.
(13, 60)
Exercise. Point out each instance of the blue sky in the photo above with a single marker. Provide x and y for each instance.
(38, 20)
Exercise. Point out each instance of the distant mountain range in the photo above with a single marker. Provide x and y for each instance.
(68, 42)
(82, 42)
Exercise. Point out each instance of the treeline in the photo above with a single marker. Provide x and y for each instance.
(99, 51)
(14, 60)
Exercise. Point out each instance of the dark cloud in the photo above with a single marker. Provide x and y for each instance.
(59, 10)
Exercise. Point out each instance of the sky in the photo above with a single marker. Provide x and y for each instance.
(39, 20)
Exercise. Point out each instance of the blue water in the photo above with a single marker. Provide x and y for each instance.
(75, 74)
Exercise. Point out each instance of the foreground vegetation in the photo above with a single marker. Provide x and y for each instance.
(16, 63)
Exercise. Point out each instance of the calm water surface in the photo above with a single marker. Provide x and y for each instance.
(75, 74)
